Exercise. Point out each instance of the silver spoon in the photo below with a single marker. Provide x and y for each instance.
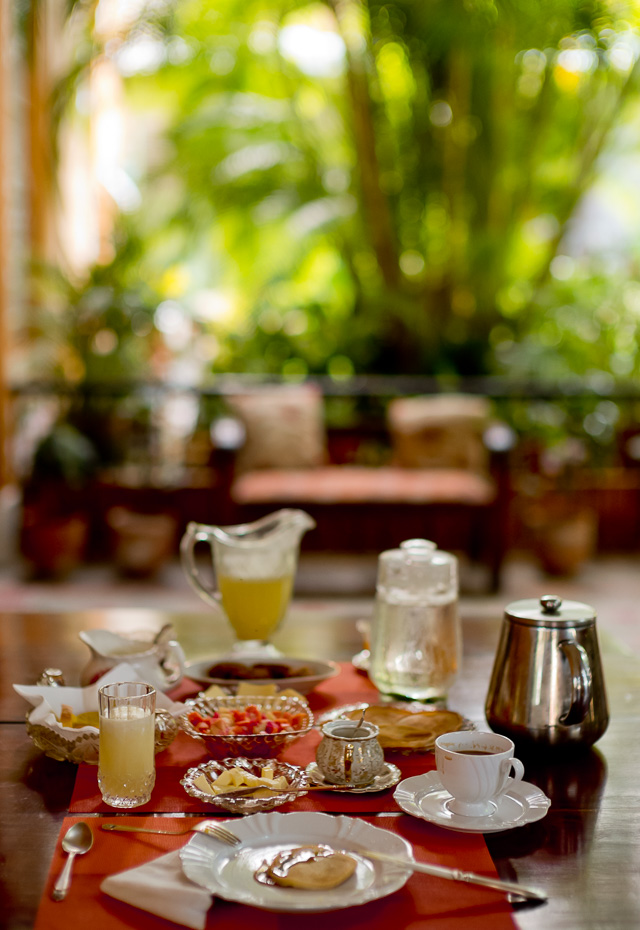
(77, 840)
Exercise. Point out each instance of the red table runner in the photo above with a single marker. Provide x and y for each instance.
(169, 796)
(423, 901)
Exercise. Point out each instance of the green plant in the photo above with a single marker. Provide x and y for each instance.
(65, 455)
(398, 212)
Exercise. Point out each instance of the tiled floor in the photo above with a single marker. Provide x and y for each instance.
(610, 585)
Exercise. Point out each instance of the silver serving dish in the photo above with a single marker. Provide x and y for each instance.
(82, 745)
(296, 776)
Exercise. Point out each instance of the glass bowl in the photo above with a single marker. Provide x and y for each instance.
(296, 776)
(262, 745)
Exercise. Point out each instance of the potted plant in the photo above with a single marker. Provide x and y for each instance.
(55, 511)
(560, 522)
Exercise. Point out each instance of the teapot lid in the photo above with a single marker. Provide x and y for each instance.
(550, 610)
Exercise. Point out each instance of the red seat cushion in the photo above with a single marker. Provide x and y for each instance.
(346, 484)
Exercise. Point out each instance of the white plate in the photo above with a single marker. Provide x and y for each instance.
(423, 796)
(388, 777)
(228, 871)
(199, 671)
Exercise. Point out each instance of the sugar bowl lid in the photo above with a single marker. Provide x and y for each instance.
(550, 611)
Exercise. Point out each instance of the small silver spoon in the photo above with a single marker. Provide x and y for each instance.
(77, 840)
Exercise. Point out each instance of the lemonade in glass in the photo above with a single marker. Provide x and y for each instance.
(126, 755)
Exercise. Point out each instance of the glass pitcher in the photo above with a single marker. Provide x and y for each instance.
(255, 566)
(416, 640)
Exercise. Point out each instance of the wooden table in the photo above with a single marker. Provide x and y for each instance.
(585, 853)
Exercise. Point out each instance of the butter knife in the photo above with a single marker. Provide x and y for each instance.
(457, 875)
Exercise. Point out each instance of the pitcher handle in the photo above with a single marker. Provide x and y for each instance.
(173, 662)
(580, 672)
(195, 533)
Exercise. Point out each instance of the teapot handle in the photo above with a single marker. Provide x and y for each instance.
(580, 672)
(195, 533)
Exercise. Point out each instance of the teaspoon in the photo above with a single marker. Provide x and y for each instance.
(77, 840)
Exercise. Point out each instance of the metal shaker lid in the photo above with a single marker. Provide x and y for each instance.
(550, 611)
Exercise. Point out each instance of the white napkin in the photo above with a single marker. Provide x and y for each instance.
(162, 888)
(48, 700)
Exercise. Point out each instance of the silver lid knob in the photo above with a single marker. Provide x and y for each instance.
(550, 603)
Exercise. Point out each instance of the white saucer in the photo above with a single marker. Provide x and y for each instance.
(360, 660)
(423, 796)
(388, 777)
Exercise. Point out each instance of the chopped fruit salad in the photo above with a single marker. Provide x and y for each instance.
(247, 721)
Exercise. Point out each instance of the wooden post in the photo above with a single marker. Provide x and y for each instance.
(5, 37)
(40, 139)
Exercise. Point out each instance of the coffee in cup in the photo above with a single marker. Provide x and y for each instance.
(475, 768)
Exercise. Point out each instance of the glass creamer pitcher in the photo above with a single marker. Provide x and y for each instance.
(416, 641)
(255, 566)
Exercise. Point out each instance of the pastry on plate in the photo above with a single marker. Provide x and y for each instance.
(313, 868)
(401, 728)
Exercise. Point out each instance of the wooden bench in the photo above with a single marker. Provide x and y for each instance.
(441, 483)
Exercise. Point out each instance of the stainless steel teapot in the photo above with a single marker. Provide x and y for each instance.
(547, 687)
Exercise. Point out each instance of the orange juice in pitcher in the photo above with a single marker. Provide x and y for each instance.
(254, 566)
(255, 606)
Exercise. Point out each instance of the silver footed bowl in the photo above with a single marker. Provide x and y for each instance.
(82, 745)
(296, 777)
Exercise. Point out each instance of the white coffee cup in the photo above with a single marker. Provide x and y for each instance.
(475, 769)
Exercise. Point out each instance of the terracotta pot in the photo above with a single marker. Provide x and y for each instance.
(566, 541)
(54, 546)
(142, 543)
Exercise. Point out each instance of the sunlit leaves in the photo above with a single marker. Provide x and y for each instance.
(387, 182)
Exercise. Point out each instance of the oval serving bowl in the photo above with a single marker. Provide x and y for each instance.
(263, 745)
(305, 674)
(296, 776)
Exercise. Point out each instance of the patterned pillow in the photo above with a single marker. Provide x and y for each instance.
(284, 427)
(442, 431)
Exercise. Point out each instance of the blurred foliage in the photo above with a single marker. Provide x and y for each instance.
(377, 186)
(101, 329)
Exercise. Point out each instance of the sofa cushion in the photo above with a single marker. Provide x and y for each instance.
(344, 484)
(441, 431)
(284, 427)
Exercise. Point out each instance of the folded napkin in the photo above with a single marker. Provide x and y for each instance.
(48, 700)
(162, 888)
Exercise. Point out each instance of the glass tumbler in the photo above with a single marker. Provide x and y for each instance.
(126, 756)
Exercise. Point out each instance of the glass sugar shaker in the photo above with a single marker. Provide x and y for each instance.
(416, 639)
(52, 677)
